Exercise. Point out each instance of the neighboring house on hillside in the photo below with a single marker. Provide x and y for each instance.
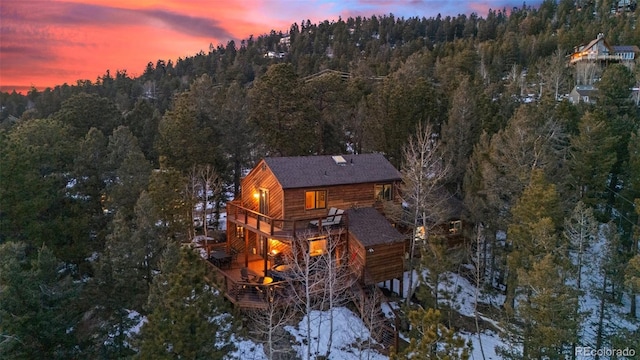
(588, 94)
(621, 6)
(583, 94)
(599, 50)
(317, 200)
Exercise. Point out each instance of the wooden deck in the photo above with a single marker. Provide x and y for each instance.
(247, 295)
(282, 229)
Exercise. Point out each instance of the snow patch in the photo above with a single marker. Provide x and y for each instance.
(350, 335)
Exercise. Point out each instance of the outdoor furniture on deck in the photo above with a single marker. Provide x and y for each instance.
(329, 217)
(280, 272)
(335, 220)
(250, 276)
(221, 259)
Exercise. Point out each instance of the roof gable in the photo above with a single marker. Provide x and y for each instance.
(314, 171)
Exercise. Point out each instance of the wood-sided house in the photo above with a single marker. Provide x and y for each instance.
(287, 198)
(599, 50)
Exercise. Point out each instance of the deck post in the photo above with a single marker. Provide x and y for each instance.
(266, 253)
(246, 248)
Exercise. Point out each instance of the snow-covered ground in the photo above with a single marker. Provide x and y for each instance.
(489, 340)
(616, 318)
(457, 292)
(350, 335)
(246, 350)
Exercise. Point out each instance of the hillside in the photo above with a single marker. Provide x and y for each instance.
(102, 181)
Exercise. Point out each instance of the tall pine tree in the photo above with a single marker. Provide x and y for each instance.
(188, 318)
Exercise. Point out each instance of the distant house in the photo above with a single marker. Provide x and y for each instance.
(588, 94)
(599, 50)
(285, 40)
(583, 93)
(624, 6)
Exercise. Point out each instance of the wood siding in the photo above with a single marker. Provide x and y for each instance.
(357, 257)
(386, 262)
(261, 177)
(339, 196)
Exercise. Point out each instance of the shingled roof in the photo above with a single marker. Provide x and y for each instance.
(311, 171)
(370, 228)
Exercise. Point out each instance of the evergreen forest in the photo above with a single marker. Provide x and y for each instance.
(98, 179)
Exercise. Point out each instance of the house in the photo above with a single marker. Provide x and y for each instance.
(314, 199)
(599, 50)
(583, 93)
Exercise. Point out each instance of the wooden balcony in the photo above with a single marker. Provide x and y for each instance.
(243, 294)
(284, 229)
(587, 56)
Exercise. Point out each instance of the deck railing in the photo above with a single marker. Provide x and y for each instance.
(244, 294)
(274, 226)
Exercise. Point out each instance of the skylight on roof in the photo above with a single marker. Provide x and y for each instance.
(338, 159)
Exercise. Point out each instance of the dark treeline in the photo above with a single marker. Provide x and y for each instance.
(98, 179)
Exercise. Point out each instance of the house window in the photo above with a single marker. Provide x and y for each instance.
(317, 246)
(455, 227)
(383, 191)
(263, 201)
(316, 199)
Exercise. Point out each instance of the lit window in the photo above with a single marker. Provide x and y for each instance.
(383, 191)
(316, 199)
(455, 227)
(317, 246)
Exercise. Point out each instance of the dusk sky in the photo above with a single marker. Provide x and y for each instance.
(44, 43)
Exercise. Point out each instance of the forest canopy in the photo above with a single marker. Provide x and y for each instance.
(99, 179)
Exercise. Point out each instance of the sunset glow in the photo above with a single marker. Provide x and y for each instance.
(44, 43)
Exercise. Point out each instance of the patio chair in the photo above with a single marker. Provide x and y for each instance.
(248, 275)
(244, 275)
(234, 254)
(335, 220)
(329, 218)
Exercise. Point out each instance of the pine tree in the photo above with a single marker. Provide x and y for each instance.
(461, 131)
(188, 318)
(84, 111)
(129, 171)
(117, 288)
(551, 301)
(430, 339)
(532, 232)
(279, 112)
(37, 314)
(590, 166)
(167, 197)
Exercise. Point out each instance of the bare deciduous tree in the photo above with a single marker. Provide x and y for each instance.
(267, 327)
(424, 174)
(319, 276)
(211, 184)
(586, 73)
(553, 72)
